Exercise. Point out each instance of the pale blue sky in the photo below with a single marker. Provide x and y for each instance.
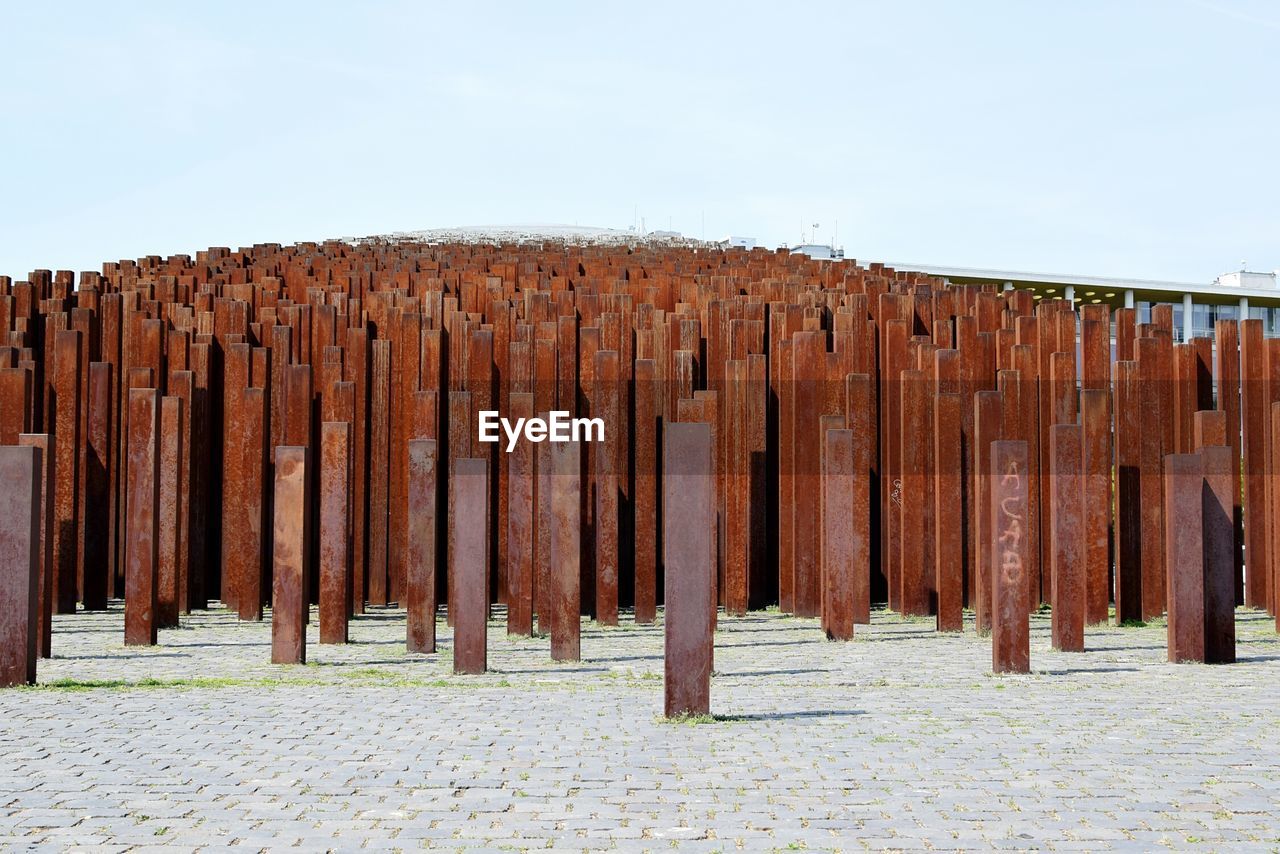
(1123, 138)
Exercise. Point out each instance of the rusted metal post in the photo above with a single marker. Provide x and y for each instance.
(520, 524)
(420, 578)
(469, 552)
(566, 550)
(66, 522)
(604, 405)
(21, 510)
(1068, 571)
(646, 492)
(1128, 521)
(948, 513)
(1219, 561)
(1010, 625)
(169, 524)
(98, 499)
(688, 523)
(840, 551)
(44, 586)
(1096, 426)
(143, 513)
(335, 531)
(1184, 544)
(289, 545)
(986, 429)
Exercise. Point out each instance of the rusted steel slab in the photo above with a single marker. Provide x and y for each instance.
(1254, 425)
(335, 531)
(1068, 536)
(21, 511)
(840, 542)
(420, 578)
(1227, 380)
(1183, 504)
(914, 575)
(1128, 468)
(987, 430)
(250, 517)
(948, 512)
(169, 523)
(98, 494)
(142, 517)
(289, 548)
(860, 418)
(469, 554)
(1095, 422)
(646, 494)
(1151, 509)
(1010, 625)
(44, 593)
(566, 550)
(66, 523)
(1219, 564)
(688, 522)
(605, 405)
(521, 523)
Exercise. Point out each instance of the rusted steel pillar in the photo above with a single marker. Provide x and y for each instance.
(97, 499)
(808, 351)
(15, 415)
(987, 429)
(1253, 421)
(786, 477)
(861, 419)
(520, 523)
(1151, 416)
(543, 572)
(605, 405)
(1227, 368)
(1068, 571)
(169, 524)
(1184, 544)
(420, 578)
(335, 530)
(66, 522)
(469, 553)
(1010, 625)
(1185, 395)
(289, 545)
(913, 575)
(894, 361)
(251, 515)
(736, 477)
(646, 492)
(1128, 468)
(142, 515)
(21, 509)
(948, 512)
(379, 441)
(1219, 564)
(842, 553)
(1096, 436)
(688, 525)
(566, 550)
(44, 585)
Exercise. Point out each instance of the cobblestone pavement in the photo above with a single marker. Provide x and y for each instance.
(901, 739)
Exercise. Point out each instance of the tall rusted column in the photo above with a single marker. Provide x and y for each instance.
(21, 507)
(948, 513)
(1227, 369)
(1096, 436)
(420, 577)
(986, 429)
(1010, 625)
(142, 516)
(736, 482)
(809, 367)
(1219, 563)
(915, 583)
(688, 523)
(44, 586)
(469, 552)
(1184, 544)
(66, 390)
(251, 515)
(646, 493)
(604, 405)
(1151, 509)
(169, 527)
(1128, 520)
(379, 438)
(544, 515)
(860, 417)
(97, 499)
(335, 531)
(289, 546)
(566, 549)
(520, 524)
(1067, 515)
(1253, 421)
(840, 552)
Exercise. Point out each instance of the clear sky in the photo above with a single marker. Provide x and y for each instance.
(1108, 137)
